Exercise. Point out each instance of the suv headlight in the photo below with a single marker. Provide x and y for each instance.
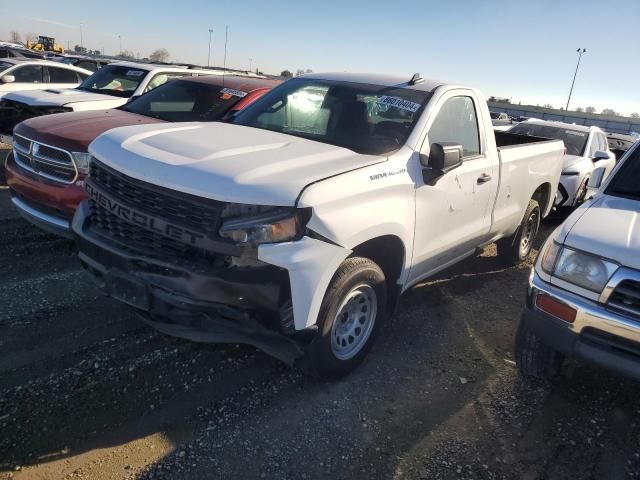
(579, 268)
(273, 227)
(82, 161)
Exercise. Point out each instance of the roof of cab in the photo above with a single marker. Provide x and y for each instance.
(400, 81)
(235, 81)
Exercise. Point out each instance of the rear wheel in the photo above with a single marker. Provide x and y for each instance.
(535, 360)
(516, 248)
(350, 317)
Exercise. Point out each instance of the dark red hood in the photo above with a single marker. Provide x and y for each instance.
(74, 131)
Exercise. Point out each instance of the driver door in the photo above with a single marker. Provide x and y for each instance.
(453, 212)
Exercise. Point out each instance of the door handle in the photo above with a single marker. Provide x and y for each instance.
(484, 178)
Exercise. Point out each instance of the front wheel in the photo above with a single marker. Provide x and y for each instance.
(350, 317)
(535, 360)
(516, 248)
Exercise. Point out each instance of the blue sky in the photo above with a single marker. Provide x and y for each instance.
(525, 50)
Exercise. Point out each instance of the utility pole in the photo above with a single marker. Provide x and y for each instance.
(120, 38)
(81, 40)
(250, 63)
(209, 57)
(580, 51)
(224, 63)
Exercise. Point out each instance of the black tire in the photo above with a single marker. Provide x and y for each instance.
(581, 194)
(535, 360)
(514, 249)
(355, 274)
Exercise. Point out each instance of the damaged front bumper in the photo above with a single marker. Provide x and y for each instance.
(222, 305)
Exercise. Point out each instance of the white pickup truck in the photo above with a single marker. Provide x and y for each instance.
(584, 292)
(296, 228)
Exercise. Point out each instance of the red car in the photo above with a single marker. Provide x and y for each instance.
(49, 161)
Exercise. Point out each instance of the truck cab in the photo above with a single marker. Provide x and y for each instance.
(297, 227)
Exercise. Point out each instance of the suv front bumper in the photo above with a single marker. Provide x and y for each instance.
(597, 335)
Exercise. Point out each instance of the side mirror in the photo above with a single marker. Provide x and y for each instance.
(443, 157)
(595, 181)
(600, 155)
(8, 79)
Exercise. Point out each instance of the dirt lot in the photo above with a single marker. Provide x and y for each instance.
(89, 391)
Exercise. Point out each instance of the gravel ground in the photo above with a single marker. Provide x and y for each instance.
(89, 391)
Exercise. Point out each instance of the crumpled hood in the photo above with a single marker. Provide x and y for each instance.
(609, 227)
(62, 96)
(74, 131)
(225, 162)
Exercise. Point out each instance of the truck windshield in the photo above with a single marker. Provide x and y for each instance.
(626, 182)
(116, 80)
(370, 119)
(574, 140)
(186, 101)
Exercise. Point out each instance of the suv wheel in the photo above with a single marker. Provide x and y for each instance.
(535, 360)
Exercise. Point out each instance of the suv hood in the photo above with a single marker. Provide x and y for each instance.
(225, 162)
(74, 131)
(62, 96)
(608, 227)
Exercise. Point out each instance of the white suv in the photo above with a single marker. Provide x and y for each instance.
(587, 149)
(584, 292)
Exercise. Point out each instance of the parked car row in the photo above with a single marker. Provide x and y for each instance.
(292, 216)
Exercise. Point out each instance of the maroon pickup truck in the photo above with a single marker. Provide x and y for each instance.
(49, 161)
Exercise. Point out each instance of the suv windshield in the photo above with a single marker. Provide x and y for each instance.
(186, 101)
(574, 140)
(370, 119)
(626, 182)
(116, 80)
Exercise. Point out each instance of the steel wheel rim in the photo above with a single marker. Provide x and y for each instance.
(354, 322)
(529, 234)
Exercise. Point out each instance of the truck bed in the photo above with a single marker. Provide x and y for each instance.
(507, 139)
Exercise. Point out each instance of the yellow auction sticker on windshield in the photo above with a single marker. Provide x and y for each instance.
(398, 102)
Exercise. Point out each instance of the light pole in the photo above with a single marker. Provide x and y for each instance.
(209, 57)
(580, 52)
(250, 63)
(81, 41)
(120, 38)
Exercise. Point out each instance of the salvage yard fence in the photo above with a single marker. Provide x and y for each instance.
(607, 123)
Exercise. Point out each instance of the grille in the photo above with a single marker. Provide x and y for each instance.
(200, 214)
(626, 298)
(47, 161)
(180, 209)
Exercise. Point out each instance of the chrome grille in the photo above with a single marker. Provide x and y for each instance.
(47, 161)
(626, 298)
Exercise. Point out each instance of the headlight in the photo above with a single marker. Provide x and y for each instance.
(578, 268)
(273, 227)
(82, 161)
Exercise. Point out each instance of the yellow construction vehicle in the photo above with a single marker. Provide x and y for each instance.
(45, 44)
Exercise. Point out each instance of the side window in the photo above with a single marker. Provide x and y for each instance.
(62, 75)
(604, 142)
(457, 122)
(161, 79)
(4, 53)
(28, 74)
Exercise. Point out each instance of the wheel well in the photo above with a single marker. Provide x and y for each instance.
(543, 196)
(388, 252)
